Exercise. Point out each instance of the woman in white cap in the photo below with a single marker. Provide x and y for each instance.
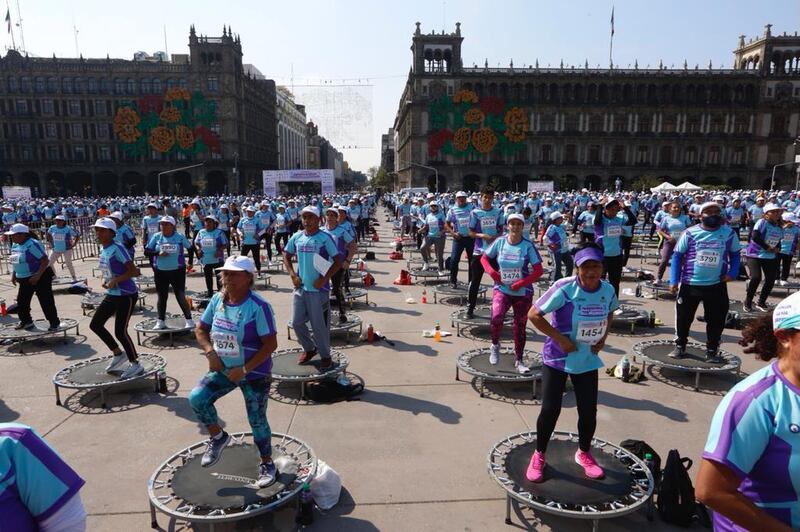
(237, 332)
(150, 223)
(433, 229)
(125, 234)
(169, 269)
(761, 253)
(791, 236)
(558, 244)
(250, 230)
(62, 239)
(117, 270)
(224, 225)
(750, 471)
(210, 244)
(32, 272)
(670, 230)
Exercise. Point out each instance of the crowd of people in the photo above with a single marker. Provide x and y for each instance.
(744, 474)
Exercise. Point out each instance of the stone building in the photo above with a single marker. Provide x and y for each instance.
(110, 126)
(387, 151)
(583, 126)
(292, 152)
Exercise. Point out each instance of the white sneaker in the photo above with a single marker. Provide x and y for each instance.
(425, 266)
(521, 368)
(117, 364)
(783, 283)
(190, 323)
(494, 354)
(134, 370)
(160, 325)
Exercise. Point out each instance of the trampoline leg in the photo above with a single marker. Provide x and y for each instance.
(535, 386)
(138, 338)
(302, 390)
(595, 525)
(289, 332)
(457, 373)
(102, 398)
(697, 381)
(508, 510)
(482, 385)
(58, 397)
(153, 521)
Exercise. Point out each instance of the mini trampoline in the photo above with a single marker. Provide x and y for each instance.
(351, 296)
(430, 276)
(285, 367)
(226, 491)
(637, 273)
(787, 288)
(91, 374)
(62, 281)
(656, 353)
(353, 322)
(475, 362)
(199, 299)
(656, 288)
(626, 316)
(742, 317)
(460, 291)
(272, 266)
(141, 261)
(566, 492)
(145, 282)
(92, 300)
(176, 324)
(267, 278)
(481, 318)
(20, 336)
(543, 286)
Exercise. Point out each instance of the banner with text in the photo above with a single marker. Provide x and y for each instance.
(273, 177)
(540, 186)
(16, 193)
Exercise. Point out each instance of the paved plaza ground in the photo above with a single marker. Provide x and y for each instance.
(411, 451)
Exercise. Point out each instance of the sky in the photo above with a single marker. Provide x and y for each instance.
(366, 42)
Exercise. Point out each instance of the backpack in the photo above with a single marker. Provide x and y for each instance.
(675, 501)
(330, 391)
(369, 255)
(639, 448)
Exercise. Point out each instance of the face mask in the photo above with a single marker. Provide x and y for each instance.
(712, 221)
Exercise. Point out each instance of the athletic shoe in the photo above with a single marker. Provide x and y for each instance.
(494, 354)
(589, 465)
(678, 352)
(190, 323)
(763, 307)
(747, 307)
(306, 357)
(783, 283)
(325, 364)
(214, 449)
(19, 326)
(30, 326)
(55, 327)
(267, 474)
(342, 318)
(134, 370)
(521, 368)
(713, 356)
(425, 266)
(117, 364)
(454, 285)
(160, 325)
(470, 314)
(535, 472)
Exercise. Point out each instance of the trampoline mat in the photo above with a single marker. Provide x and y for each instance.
(738, 307)
(695, 357)
(60, 281)
(210, 487)
(8, 331)
(353, 321)
(286, 365)
(483, 316)
(175, 324)
(354, 294)
(95, 373)
(462, 289)
(564, 480)
(628, 315)
(504, 368)
(144, 279)
(429, 274)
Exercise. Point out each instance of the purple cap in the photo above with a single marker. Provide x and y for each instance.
(588, 254)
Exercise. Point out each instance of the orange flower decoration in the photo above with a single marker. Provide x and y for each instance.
(473, 116)
(516, 121)
(177, 93)
(465, 96)
(162, 139)
(126, 124)
(185, 137)
(484, 139)
(461, 138)
(170, 115)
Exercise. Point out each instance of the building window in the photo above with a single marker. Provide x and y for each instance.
(571, 154)
(642, 154)
(571, 122)
(39, 85)
(769, 91)
(76, 131)
(157, 86)
(119, 86)
(738, 156)
(215, 129)
(91, 86)
(547, 122)
(78, 86)
(594, 154)
(644, 124)
(716, 125)
(47, 107)
(147, 86)
(216, 155)
(26, 153)
(100, 108)
(24, 131)
(50, 130)
(131, 86)
(170, 83)
(180, 156)
(78, 153)
(669, 125)
(618, 155)
(182, 83)
(106, 86)
(52, 153)
(546, 154)
(22, 106)
(102, 131)
(52, 85)
(66, 85)
(713, 155)
(75, 107)
(690, 156)
(104, 153)
(212, 84)
(13, 85)
(596, 124)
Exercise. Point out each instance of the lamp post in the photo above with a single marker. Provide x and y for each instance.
(772, 182)
(173, 171)
(409, 163)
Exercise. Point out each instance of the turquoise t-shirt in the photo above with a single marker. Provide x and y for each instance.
(306, 246)
(487, 222)
(151, 226)
(458, 217)
(707, 254)
(62, 237)
(610, 231)
(435, 223)
(515, 262)
(112, 263)
(251, 229)
(26, 258)
(556, 234)
(213, 244)
(173, 246)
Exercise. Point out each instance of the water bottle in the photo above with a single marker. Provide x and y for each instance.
(638, 289)
(437, 334)
(370, 333)
(305, 514)
(3, 311)
(652, 318)
(651, 465)
(626, 368)
(424, 296)
(162, 381)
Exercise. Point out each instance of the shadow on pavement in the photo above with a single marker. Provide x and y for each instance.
(6, 414)
(444, 413)
(619, 402)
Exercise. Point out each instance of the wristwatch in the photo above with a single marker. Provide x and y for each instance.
(212, 352)
(244, 369)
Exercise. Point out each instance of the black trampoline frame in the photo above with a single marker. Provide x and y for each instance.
(20, 339)
(642, 487)
(353, 321)
(352, 295)
(528, 355)
(141, 330)
(458, 319)
(289, 445)
(340, 363)
(89, 305)
(733, 362)
(60, 378)
(59, 281)
(655, 289)
(446, 291)
(427, 278)
(641, 316)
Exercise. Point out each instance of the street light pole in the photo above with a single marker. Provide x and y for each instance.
(173, 171)
(427, 168)
(772, 183)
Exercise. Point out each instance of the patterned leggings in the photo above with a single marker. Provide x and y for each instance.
(500, 304)
(215, 385)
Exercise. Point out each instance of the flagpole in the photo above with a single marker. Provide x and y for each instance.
(611, 41)
(21, 33)
(10, 29)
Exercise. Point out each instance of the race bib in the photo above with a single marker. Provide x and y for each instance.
(226, 345)
(510, 275)
(772, 241)
(788, 240)
(59, 237)
(169, 249)
(488, 223)
(590, 331)
(463, 222)
(614, 230)
(15, 258)
(249, 230)
(707, 258)
(735, 219)
(152, 229)
(208, 242)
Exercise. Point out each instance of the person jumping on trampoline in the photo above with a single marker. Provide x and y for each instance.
(608, 231)
(670, 230)
(345, 242)
(558, 245)
(582, 308)
(519, 265)
(485, 225)
(458, 226)
(32, 272)
(250, 230)
(169, 269)
(749, 474)
(433, 227)
(62, 240)
(237, 332)
(791, 236)
(210, 244)
(705, 259)
(118, 271)
(762, 256)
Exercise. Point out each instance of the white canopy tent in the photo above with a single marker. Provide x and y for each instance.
(663, 187)
(686, 186)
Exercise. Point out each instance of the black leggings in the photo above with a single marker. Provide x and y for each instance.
(209, 273)
(44, 292)
(476, 275)
(281, 237)
(177, 279)
(121, 307)
(228, 242)
(268, 244)
(625, 243)
(553, 383)
(770, 269)
(612, 268)
(255, 249)
(785, 263)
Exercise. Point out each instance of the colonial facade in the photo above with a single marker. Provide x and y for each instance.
(291, 131)
(110, 126)
(581, 126)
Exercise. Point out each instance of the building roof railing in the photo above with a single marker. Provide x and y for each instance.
(608, 71)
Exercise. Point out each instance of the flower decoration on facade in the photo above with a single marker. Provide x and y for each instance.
(465, 96)
(461, 138)
(437, 140)
(126, 125)
(185, 137)
(484, 139)
(516, 121)
(162, 139)
(473, 116)
(492, 105)
(170, 115)
(177, 93)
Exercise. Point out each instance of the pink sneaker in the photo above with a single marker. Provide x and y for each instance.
(535, 472)
(589, 465)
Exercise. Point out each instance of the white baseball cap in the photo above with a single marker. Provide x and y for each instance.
(790, 217)
(17, 229)
(116, 215)
(333, 209)
(772, 207)
(515, 216)
(167, 220)
(250, 208)
(787, 313)
(238, 263)
(461, 194)
(106, 223)
(555, 215)
(211, 217)
(61, 217)
(310, 209)
(708, 204)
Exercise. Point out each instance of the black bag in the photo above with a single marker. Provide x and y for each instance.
(330, 391)
(675, 501)
(369, 255)
(639, 448)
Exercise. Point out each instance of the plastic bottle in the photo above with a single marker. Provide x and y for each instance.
(3, 309)
(162, 381)
(638, 290)
(652, 318)
(424, 296)
(651, 465)
(626, 368)
(305, 513)
(370, 333)
(190, 302)
(437, 334)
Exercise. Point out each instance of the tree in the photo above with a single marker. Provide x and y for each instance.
(645, 183)
(380, 179)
